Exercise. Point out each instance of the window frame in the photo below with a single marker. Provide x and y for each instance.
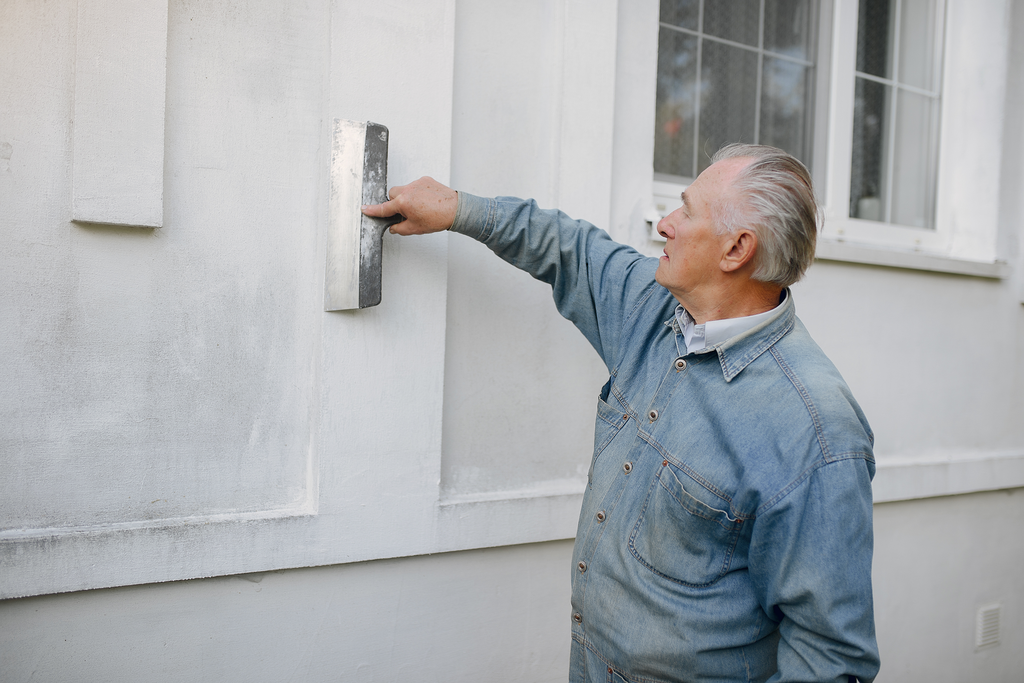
(666, 191)
(975, 44)
(973, 39)
(839, 225)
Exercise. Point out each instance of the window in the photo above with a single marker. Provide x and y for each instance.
(737, 71)
(733, 71)
(896, 107)
(916, 127)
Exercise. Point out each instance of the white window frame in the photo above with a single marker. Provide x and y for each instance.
(975, 42)
(974, 39)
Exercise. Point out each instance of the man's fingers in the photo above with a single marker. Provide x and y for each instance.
(385, 210)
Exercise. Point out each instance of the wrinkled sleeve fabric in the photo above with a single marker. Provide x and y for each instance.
(810, 561)
(595, 281)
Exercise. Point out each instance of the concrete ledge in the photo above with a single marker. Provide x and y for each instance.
(947, 475)
(833, 250)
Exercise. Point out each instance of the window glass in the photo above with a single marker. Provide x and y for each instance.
(918, 43)
(869, 183)
(788, 29)
(681, 13)
(733, 71)
(895, 119)
(728, 98)
(874, 37)
(911, 197)
(735, 20)
(786, 106)
(676, 113)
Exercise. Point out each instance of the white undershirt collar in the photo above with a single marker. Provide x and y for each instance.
(713, 332)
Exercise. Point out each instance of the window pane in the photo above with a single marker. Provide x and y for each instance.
(785, 107)
(917, 43)
(913, 163)
(737, 20)
(682, 13)
(728, 98)
(870, 133)
(874, 38)
(676, 103)
(788, 28)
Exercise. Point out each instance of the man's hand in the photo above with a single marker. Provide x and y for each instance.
(427, 205)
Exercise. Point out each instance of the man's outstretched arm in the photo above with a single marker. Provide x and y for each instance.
(594, 280)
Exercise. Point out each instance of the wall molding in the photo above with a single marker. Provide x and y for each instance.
(910, 478)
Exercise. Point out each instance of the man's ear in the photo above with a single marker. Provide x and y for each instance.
(739, 250)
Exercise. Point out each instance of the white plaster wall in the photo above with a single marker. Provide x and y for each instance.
(486, 615)
(521, 383)
(97, 329)
(937, 561)
(908, 344)
(163, 373)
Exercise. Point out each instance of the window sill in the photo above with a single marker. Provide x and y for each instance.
(835, 250)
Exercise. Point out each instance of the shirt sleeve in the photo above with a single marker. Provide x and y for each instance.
(810, 561)
(595, 281)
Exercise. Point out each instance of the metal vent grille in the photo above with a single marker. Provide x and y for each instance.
(987, 633)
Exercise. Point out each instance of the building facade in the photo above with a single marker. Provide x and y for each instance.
(208, 477)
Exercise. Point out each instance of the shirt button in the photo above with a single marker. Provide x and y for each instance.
(680, 364)
(577, 617)
(583, 566)
(600, 516)
(627, 467)
(653, 415)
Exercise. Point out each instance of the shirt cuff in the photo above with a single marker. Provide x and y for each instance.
(472, 217)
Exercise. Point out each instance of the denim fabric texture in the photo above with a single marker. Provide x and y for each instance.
(726, 532)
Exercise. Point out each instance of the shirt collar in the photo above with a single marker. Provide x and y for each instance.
(736, 339)
(698, 337)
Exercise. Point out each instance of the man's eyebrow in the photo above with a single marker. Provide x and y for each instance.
(682, 196)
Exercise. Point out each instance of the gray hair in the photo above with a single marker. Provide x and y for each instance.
(776, 202)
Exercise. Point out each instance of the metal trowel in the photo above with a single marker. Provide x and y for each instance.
(359, 174)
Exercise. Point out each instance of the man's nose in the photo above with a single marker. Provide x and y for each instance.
(664, 229)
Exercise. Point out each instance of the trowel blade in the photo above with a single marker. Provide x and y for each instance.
(359, 172)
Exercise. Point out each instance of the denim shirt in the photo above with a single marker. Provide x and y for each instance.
(725, 533)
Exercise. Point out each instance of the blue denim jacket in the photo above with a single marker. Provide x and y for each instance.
(725, 533)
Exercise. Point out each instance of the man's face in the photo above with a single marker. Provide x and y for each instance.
(694, 249)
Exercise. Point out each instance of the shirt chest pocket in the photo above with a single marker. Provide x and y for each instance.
(681, 538)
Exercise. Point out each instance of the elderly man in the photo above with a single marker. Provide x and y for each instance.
(726, 530)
